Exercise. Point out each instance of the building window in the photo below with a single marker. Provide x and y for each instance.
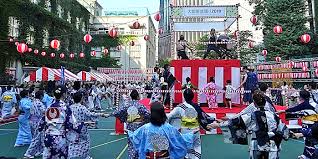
(13, 27)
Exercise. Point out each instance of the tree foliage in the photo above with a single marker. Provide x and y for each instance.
(291, 15)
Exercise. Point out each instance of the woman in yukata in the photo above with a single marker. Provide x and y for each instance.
(24, 135)
(134, 115)
(37, 113)
(188, 117)
(79, 143)
(159, 139)
(56, 123)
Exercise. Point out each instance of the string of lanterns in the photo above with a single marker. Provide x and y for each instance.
(305, 38)
(55, 44)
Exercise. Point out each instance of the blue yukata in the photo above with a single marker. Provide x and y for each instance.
(8, 99)
(79, 148)
(24, 135)
(311, 151)
(163, 141)
(37, 113)
(309, 117)
(58, 120)
(134, 115)
(47, 100)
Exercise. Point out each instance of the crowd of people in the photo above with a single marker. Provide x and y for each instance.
(54, 119)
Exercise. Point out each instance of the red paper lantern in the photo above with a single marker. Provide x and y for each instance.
(251, 44)
(146, 37)
(157, 17)
(22, 48)
(316, 71)
(93, 53)
(72, 55)
(253, 19)
(160, 31)
(112, 33)
(132, 43)
(36, 51)
(119, 47)
(62, 55)
(43, 53)
(52, 55)
(278, 59)
(304, 69)
(278, 29)
(88, 38)
(81, 55)
(105, 51)
(16, 43)
(55, 44)
(136, 25)
(30, 49)
(264, 52)
(305, 38)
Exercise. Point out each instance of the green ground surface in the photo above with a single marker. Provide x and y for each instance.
(106, 146)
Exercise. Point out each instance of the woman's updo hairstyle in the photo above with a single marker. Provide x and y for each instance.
(259, 99)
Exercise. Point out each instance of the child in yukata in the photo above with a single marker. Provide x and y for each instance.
(210, 92)
(228, 94)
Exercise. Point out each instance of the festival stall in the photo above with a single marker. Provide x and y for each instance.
(86, 76)
(50, 74)
(102, 77)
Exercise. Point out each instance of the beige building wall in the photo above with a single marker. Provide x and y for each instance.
(140, 56)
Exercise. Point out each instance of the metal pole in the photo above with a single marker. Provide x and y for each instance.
(172, 54)
(238, 35)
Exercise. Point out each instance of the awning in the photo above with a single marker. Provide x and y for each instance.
(42, 74)
(85, 76)
(101, 76)
(49, 74)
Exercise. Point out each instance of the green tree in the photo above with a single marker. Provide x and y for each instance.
(162, 62)
(291, 16)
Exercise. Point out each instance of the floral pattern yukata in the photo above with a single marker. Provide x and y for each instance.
(79, 148)
(57, 122)
(135, 115)
(24, 135)
(211, 96)
(37, 113)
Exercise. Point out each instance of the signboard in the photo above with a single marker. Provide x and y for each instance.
(204, 26)
(205, 11)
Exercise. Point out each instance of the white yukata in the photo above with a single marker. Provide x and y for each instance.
(188, 118)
